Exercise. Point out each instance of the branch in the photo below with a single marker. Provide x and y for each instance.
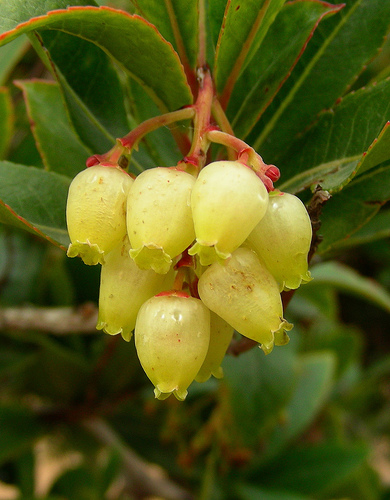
(57, 320)
(146, 480)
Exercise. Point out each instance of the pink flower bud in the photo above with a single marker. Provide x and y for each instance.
(228, 200)
(282, 239)
(124, 287)
(96, 212)
(245, 294)
(159, 222)
(221, 334)
(172, 336)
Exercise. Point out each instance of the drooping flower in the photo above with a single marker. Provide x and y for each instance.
(159, 222)
(172, 335)
(228, 200)
(282, 239)
(124, 287)
(245, 294)
(221, 334)
(96, 212)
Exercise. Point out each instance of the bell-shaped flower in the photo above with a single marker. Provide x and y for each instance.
(221, 334)
(96, 212)
(245, 294)
(159, 221)
(172, 335)
(228, 200)
(282, 240)
(124, 287)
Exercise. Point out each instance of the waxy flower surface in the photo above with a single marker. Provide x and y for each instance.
(96, 212)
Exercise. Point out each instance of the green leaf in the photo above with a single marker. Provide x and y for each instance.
(10, 55)
(21, 262)
(312, 470)
(13, 363)
(378, 152)
(348, 280)
(59, 369)
(339, 50)
(78, 482)
(348, 211)
(90, 85)
(245, 25)
(273, 62)
(375, 229)
(255, 400)
(318, 303)
(6, 120)
(177, 21)
(246, 491)
(60, 148)
(14, 12)
(26, 474)
(19, 428)
(333, 151)
(160, 143)
(214, 18)
(314, 380)
(34, 200)
(131, 41)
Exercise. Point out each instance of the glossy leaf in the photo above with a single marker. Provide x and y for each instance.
(90, 86)
(254, 397)
(346, 212)
(34, 200)
(314, 382)
(244, 27)
(378, 152)
(14, 12)
(177, 21)
(132, 42)
(375, 229)
(21, 260)
(10, 55)
(6, 120)
(60, 148)
(337, 53)
(351, 138)
(19, 429)
(59, 369)
(345, 279)
(273, 62)
(215, 11)
(313, 470)
(160, 143)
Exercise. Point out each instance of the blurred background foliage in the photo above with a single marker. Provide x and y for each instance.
(77, 415)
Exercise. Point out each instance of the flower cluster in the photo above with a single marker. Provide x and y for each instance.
(186, 260)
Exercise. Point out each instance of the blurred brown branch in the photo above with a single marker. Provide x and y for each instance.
(57, 320)
(144, 479)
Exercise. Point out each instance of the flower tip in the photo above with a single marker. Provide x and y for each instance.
(296, 281)
(90, 253)
(204, 374)
(180, 394)
(267, 348)
(208, 253)
(150, 256)
(161, 395)
(126, 333)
